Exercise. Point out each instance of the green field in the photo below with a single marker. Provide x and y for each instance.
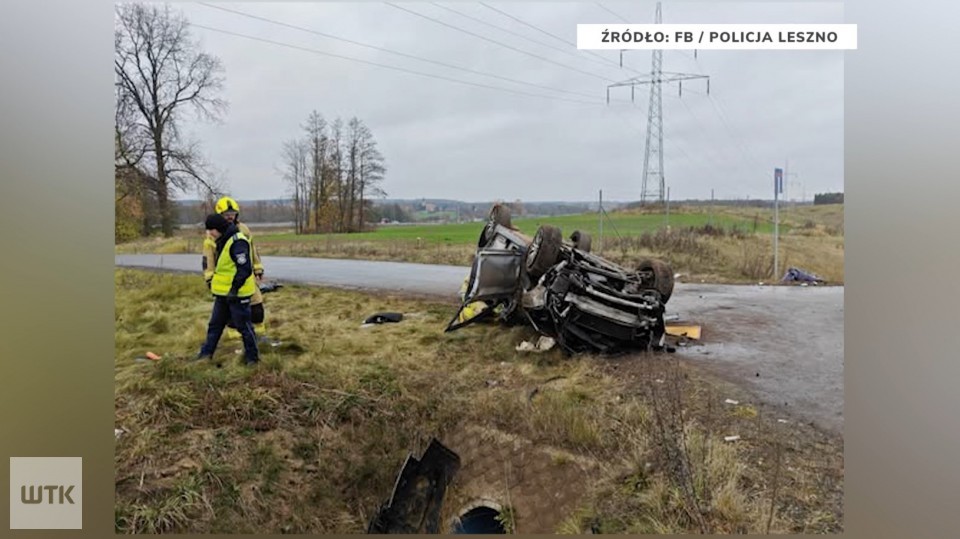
(737, 249)
(622, 224)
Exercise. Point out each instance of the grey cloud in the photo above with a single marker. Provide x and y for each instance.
(449, 140)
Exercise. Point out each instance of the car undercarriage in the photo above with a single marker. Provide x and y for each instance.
(583, 301)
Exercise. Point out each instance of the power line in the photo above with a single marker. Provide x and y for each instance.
(610, 11)
(744, 150)
(739, 163)
(390, 51)
(521, 51)
(653, 184)
(517, 34)
(395, 68)
(719, 159)
(541, 30)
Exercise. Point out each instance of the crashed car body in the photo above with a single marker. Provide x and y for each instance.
(585, 302)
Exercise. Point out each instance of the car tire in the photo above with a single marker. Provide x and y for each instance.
(543, 252)
(500, 214)
(581, 240)
(486, 235)
(662, 276)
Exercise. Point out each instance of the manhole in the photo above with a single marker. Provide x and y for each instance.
(482, 519)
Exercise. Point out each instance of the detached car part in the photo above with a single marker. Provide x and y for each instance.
(417, 499)
(585, 302)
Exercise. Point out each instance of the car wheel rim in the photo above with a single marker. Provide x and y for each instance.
(532, 250)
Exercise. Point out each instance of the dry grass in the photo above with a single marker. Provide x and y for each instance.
(682, 477)
(309, 441)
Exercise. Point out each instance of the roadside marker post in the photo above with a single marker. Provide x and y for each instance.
(777, 189)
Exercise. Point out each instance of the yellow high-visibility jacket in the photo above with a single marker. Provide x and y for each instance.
(226, 272)
(210, 262)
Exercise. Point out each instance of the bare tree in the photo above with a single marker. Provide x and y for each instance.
(371, 170)
(161, 73)
(333, 171)
(354, 134)
(296, 173)
(318, 143)
(336, 172)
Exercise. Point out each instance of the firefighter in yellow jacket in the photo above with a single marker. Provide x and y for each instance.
(229, 209)
(233, 285)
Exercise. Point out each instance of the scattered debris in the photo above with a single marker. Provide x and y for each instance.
(731, 401)
(147, 358)
(117, 433)
(731, 438)
(671, 318)
(690, 332)
(382, 318)
(659, 380)
(493, 383)
(782, 421)
(797, 275)
(543, 344)
(270, 287)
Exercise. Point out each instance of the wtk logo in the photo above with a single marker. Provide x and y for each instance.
(51, 490)
(46, 493)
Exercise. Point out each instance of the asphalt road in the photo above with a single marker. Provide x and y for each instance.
(783, 344)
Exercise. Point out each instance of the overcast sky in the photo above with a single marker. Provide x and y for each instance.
(442, 139)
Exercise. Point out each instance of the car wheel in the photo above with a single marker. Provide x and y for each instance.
(581, 240)
(543, 252)
(662, 276)
(486, 235)
(500, 214)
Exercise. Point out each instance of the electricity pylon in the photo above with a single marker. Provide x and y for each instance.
(654, 184)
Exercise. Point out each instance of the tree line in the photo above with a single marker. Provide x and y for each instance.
(161, 76)
(333, 171)
(827, 198)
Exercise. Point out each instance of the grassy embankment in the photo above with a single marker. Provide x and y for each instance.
(310, 441)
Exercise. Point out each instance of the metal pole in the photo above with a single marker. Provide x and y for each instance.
(711, 207)
(776, 227)
(668, 208)
(600, 217)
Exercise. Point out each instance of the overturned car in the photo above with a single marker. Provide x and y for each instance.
(585, 302)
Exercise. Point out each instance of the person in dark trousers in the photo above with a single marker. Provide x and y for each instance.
(232, 285)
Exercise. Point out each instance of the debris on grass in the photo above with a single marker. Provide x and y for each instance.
(383, 318)
(270, 287)
(543, 344)
(797, 275)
